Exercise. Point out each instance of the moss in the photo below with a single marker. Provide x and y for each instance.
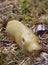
(1, 36)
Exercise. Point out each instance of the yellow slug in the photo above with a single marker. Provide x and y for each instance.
(24, 37)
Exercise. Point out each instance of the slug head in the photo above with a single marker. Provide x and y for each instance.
(33, 47)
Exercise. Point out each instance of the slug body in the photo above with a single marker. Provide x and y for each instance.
(24, 37)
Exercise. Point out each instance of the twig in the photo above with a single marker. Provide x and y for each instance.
(25, 60)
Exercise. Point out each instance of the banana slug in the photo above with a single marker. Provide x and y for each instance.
(24, 37)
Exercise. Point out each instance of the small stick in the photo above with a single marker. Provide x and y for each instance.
(25, 60)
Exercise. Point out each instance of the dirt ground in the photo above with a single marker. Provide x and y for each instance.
(31, 13)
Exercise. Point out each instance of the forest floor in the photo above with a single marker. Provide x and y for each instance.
(31, 13)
